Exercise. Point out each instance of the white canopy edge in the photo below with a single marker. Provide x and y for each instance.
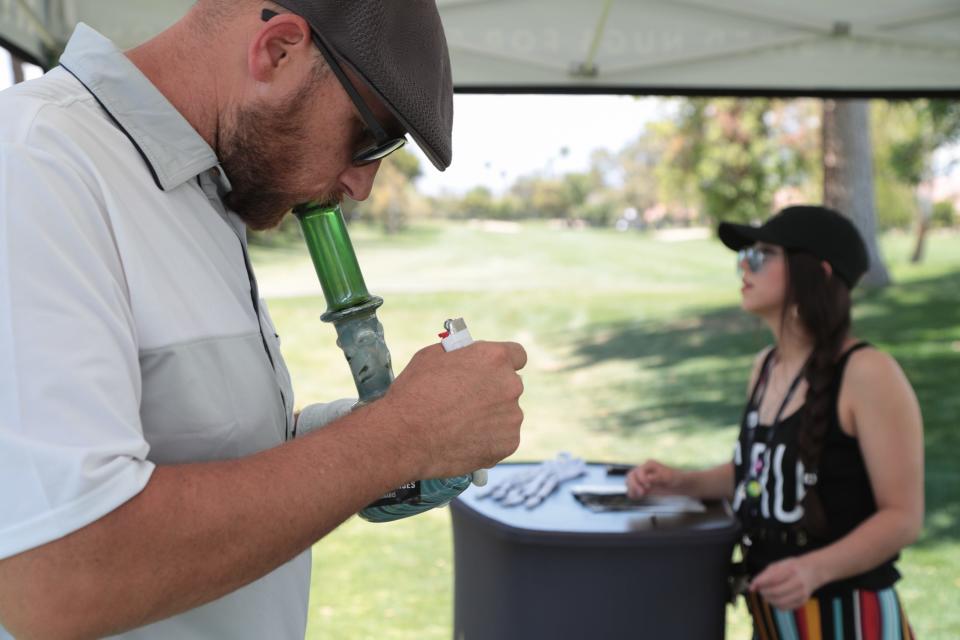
(733, 47)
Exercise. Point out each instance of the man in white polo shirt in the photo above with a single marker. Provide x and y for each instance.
(150, 482)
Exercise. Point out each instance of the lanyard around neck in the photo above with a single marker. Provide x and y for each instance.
(783, 405)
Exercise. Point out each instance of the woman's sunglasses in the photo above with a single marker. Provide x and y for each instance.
(755, 257)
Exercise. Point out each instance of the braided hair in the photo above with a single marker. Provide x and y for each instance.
(822, 303)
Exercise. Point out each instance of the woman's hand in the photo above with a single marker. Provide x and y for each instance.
(653, 478)
(787, 584)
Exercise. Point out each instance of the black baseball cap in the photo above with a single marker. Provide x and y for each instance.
(812, 229)
(398, 49)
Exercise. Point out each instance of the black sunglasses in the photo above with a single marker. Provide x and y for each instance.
(755, 258)
(384, 144)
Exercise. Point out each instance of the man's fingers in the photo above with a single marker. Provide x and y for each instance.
(518, 387)
(516, 355)
(512, 352)
(431, 348)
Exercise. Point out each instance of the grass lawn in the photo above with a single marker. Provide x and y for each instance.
(637, 349)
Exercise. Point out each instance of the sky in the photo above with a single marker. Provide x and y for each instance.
(497, 138)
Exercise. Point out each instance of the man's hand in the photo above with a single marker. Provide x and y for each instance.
(459, 410)
(200, 531)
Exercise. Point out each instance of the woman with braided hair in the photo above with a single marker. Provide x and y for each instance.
(827, 474)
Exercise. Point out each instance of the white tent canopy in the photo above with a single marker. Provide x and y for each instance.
(818, 47)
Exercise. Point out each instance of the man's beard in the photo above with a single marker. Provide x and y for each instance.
(255, 152)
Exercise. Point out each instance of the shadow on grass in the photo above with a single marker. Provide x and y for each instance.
(919, 324)
(693, 374)
(694, 370)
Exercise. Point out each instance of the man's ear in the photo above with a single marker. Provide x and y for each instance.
(284, 38)
(827, 269)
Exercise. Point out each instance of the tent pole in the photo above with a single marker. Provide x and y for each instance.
(755, 11)
(37, 24)
(17, 65)
(912, 16)
(717, 54)
(588, 67)
(598, 34)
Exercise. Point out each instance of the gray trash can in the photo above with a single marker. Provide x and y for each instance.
(561, 571)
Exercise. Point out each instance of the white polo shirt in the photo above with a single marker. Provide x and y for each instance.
(131, 333)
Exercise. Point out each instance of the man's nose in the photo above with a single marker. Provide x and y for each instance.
(357, 182)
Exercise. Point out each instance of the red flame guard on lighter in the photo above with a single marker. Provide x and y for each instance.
(456, 337)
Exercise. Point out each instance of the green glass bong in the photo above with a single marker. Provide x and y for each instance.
(353, 312)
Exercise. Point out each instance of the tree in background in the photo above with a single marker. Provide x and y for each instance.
(545, 197)
(535, 196)
(708, 159)
(944, 214)
(733, 155)
(895, 200)
(600, 192)
(637, 182)
(683, 144)
(916, 130)
(477, 203)
(848, 175)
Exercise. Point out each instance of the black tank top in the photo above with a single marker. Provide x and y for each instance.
(773, 521)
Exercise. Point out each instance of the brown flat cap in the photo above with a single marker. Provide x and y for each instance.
(399, 50)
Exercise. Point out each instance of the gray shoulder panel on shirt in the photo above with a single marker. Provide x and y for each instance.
(211, 399)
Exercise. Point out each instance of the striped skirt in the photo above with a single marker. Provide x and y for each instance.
(857, 615)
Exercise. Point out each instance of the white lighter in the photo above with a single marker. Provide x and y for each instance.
(456, 337)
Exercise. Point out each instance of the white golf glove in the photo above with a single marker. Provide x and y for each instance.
(315, 416)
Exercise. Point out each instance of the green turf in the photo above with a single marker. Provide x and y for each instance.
(637, 349)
